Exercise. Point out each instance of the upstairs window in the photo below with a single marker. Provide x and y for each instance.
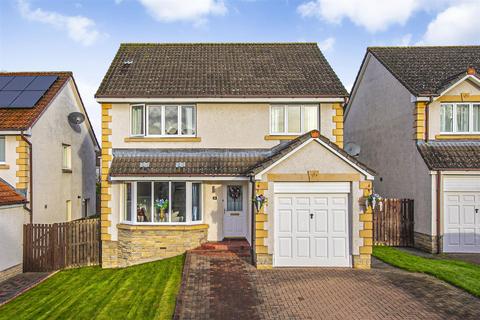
(66, 157)
(163, 120)
(2, 149)
(293, 119)
(460, 118)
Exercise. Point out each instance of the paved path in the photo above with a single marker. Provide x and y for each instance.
(20, 283)
(225, 287)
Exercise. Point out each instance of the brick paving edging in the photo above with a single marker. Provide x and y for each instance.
(179, 303)
(31, 286)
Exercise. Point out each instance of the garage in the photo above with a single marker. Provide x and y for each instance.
(461, 232)
(312, 224)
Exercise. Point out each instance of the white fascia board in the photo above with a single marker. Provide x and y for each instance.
(15, 133)
(182, 178)
(419, 99)
(219, 100)
(368, 176)
(10, 206)
(468, 76)
(453, 172)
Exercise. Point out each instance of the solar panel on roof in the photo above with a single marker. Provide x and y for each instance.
(19, 83)
(27, 99)
(7, 97)
(4, 80)
(41, 83)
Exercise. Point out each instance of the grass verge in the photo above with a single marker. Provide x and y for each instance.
(146, 291)
(458, 273)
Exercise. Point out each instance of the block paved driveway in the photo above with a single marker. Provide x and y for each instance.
(222, 286)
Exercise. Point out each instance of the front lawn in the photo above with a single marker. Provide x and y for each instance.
(461, 274)
(146, 291)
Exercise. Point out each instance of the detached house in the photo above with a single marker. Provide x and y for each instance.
(415, 112)
(47, 157)
(191, 133)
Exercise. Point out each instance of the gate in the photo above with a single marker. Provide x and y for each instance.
(49, 247)
(393, 223)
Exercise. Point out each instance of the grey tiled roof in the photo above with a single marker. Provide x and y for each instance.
(220, 70)
(210, 162)
(428, 70)
(445, 155)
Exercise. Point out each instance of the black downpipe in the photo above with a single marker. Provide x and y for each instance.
(252, 233)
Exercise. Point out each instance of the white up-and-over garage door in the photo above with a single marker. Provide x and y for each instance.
(312, 224)
(461, 232)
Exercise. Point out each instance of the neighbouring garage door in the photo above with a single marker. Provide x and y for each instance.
(461, 214)
(311, 224)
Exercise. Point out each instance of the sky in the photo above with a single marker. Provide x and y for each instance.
(83, 36)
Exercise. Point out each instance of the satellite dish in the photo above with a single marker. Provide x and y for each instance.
(352, 149)
(76, 118)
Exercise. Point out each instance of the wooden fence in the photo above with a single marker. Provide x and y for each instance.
(48, 247)
(393, 223)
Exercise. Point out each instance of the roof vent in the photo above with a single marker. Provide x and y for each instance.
(471, 71)
(179, 164)
(144, 165)
(127, 62)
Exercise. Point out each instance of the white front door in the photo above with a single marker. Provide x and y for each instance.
(234, 218)
(462, 222)
(311, 230)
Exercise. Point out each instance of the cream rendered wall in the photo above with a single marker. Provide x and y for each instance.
(9, 174)
(316, 157)
(381, 120)
(466, 86)
(12, 219)
(52, 187)
(219, 125)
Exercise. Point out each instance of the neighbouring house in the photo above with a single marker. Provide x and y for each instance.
(47, 157)
(191, 133)
(415, 113)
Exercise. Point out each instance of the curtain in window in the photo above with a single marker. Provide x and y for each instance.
(137, 120)
(196, 202)
(188, 120)
(462, 117)
(2, 148)
(446, 118)
(310, 118)
(278, 119)
(179, 201)
(144, 201)
(155, 120)
(171, 120)
(293, 114)
(476, 117)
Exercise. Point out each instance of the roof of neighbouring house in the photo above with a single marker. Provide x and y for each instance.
(8, 194)
(209, 162)
(448, 155)
(17, 118)
(155, 70)
(428, 70)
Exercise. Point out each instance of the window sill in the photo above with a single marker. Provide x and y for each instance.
(4, 166)
(280, 137)
(163, 139)
(457, 136)
(163, 227)
(67, 170)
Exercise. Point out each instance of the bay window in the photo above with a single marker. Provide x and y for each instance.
(460, 118)
(293, 119)
(162, 202)
(163, 120)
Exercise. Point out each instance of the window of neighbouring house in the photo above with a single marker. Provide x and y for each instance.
(68, 210)
(163, 120)
(293, 119)
(163, 202)
(460, 118)
(2, 149)
(138, 120)
(66, 157)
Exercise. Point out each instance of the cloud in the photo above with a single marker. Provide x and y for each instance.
(454, 25)
(194, 11)
(79, 28)
(373, 15)
(327, 44)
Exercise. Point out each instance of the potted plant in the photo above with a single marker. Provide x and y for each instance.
(259, 201)
(160, 205)
(373, 199)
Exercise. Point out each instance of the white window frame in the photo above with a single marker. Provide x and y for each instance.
(146, 132)
(4, 138)
(68, 155)
(285, 114)
(454, 118)
(188, 204)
